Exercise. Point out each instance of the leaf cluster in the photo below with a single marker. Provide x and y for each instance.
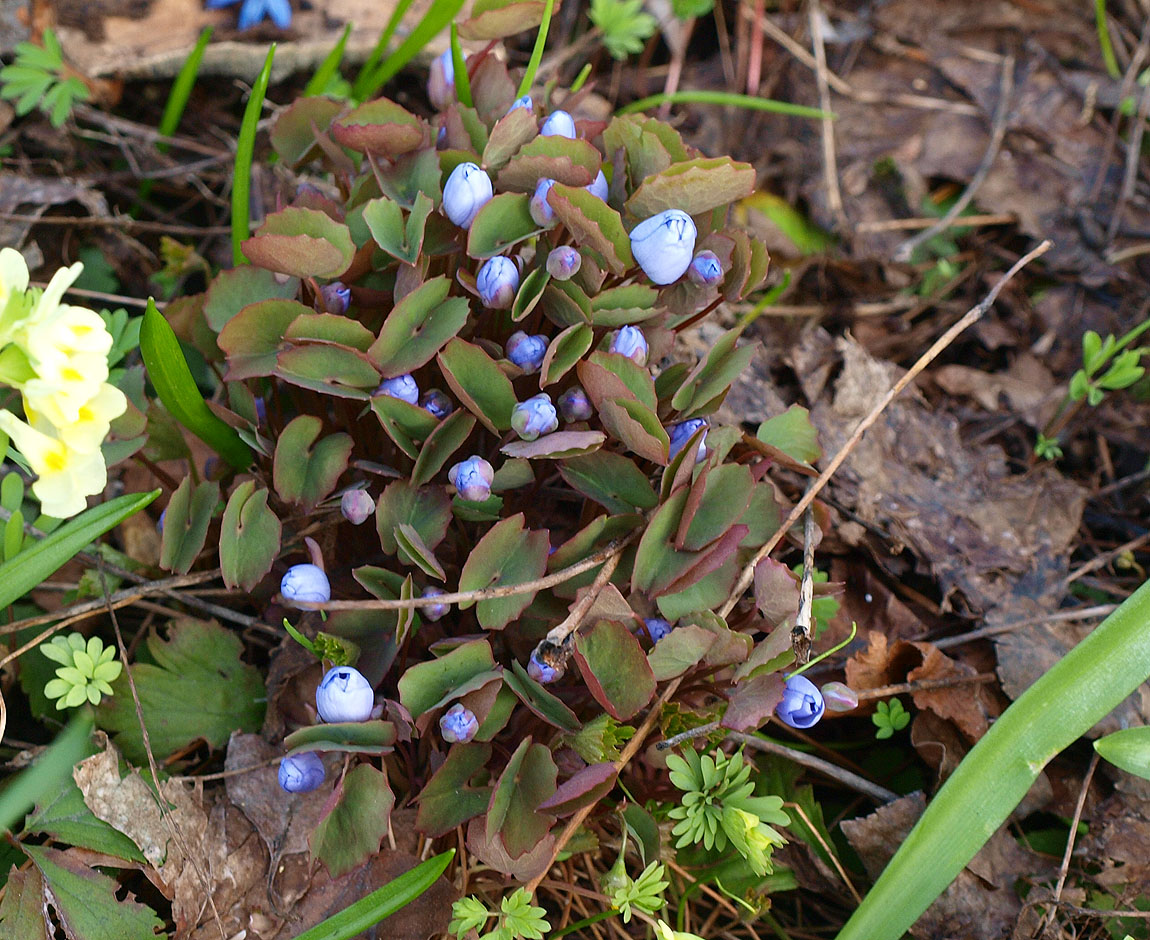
(516, 919)
(39, 78)
(889, 717)
(624, 26)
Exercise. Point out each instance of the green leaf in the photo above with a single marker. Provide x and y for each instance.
(447, 801)
(86, 901)
(714, 374)
(425, 509)
(305, 471)
(242, 168)
(198, 688)
(624, 25)
(402, 240)
(506, 555)
(249, 537)
(351, 833)
(571, 162)
(186, 521)
(717, 500)
(426, 684)
(441, 446)
(530, 292)
(538, 700)
(556, 446)
(593, 224)
(615, 668)
(176, 388)
(694, 186)
(38, 562)
(503, 222)
(380, 127)
(293, 135)
(610, 479)
(498, 19)
(527, 780)
(22, 908)
(404, 423)
(417, 328)
(793, 434)
(1128, 749)
(301, 242)
(329, 369)
(66, 818)
(479, 383)
(49, 774)
(384, 902)
(356, 737)
(251, 339)
(510, 132)
(564, 351)
(231, 291)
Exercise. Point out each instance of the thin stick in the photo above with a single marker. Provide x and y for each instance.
(1133, 162)
(559, 633)
(507, 590)
(971, 316)
(924, 685)
(910, 225)
(998, 132)
(826, 848)
(801, 632)
(830, 162)
(1100, 561)
(1085, 613)
(845, 777)
(1064, 868)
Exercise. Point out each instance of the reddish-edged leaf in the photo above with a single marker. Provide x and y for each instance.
(585, 787)
(615, 668)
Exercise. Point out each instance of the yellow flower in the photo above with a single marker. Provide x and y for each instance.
(13, 286)
(664, 932)
(66, 476)
(63, 387)
(92, 423)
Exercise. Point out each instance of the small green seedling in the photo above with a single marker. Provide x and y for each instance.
(85, 670)
(889, 718)
(39, 78)
(624, 26)
(517, 917)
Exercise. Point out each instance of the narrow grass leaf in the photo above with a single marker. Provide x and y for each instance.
(437, 17)
(726, 98)
(245, 148)
(328, 67)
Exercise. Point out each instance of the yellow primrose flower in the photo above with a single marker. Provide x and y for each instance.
(66, 476)
(62, 388)
(664, 932)
(92, 423)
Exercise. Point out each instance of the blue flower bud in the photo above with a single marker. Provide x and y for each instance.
(541, 672)
(574, 405)
(467, 190)
(458, 724)
(657, 628)
(356, 506)
(682, 432)
(436, 402)
(564, 262)
(306, 584)
(541, 212)
(534, 417)
(840, 697)
(441, 81)
(301, 773)
(402, 387)
(160, 521)
(629, 341)
(706, 270)
(434, 611)
(472, 478)
(261, 410)
(598, 186)
(527, 352)
(558, 124)
(663, 245)
(497, 282)
(802, 705)
(344, 695)
(336, 297)
(525, 102)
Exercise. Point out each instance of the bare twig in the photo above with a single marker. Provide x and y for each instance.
(1133, 161)
(830, 161)
(1064, 868)
(801, 633)
(1061, 616)
(971, 316)
(924, 685)
(998, 132)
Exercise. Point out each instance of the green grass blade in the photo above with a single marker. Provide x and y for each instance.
(537, 51)
(462, 79)
(1104, 43)
(726, 98)
(370, 910)
(245, 147)
(359, 87)
(168, 370)
(48, 774)
(1073, 696)
(39, 561)
(328, 67)
(437, 17)
(182, 88)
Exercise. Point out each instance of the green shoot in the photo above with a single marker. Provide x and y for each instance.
(459, 64)
(441, 13)
(245, 148)
(644, 893)
(726, 98)
(536, 52)
(38, 78)
(359, 87)
(1104, 43)
(581, 78)
(624, 25)
(328, 68)
(889, 718)
(517, 918)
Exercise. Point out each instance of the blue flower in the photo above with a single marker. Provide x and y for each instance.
(564, 262)
(802, 705)
(458, 724)
(301, 773)
(574, 405)
(664, 244)
(402, 387)
(682, 432)
(344, 695)
(526, 351)
(436, 401)
(541, 212)
(630, 342)
(657, 628)
(534, 417)
(541, 672)
(434, 611)
(525, 102)
(472, 478)
(467, 190)
(706, 270)
(356, 506)
(558, 124)
(497, 282)
(253, 11)
(598, 186)
(307, 584)
(441, 81)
